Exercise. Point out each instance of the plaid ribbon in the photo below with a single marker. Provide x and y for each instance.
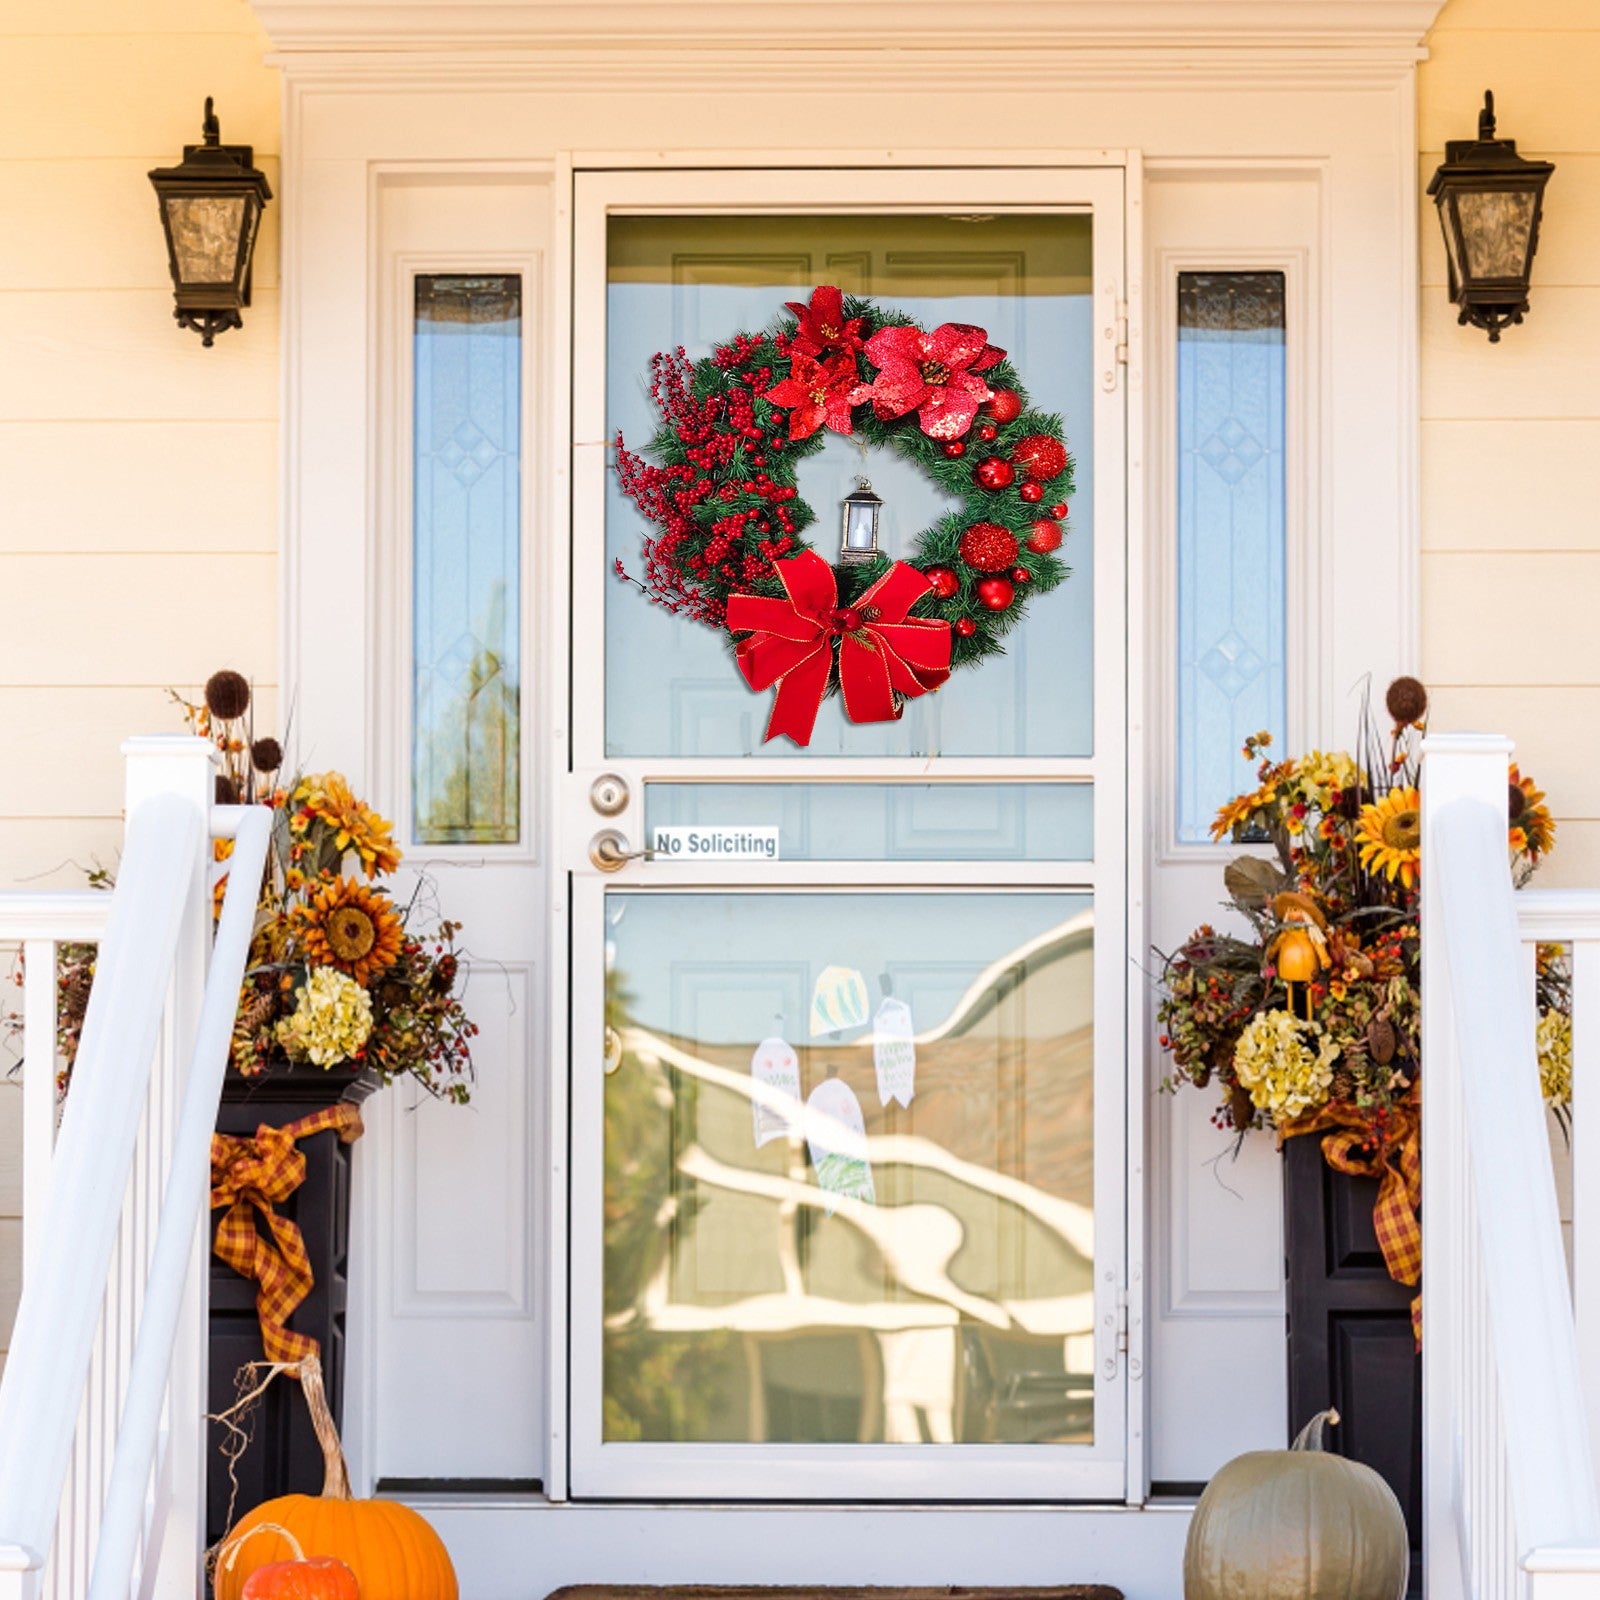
(1398, 1168)
(250, 1176)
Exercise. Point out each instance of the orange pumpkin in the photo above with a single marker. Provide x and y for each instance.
(302, 1578)
(393, 1553)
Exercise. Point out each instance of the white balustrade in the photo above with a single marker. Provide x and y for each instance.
(102, 1401)
(1510, 1501)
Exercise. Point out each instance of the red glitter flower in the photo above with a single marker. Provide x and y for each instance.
(822, 327)
(816, 394)
(934, 374)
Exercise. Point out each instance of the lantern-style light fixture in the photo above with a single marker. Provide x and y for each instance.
(211, 208)
(858, 536)
(1489, 201)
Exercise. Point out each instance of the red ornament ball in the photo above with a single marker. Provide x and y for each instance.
(996, 593)
(847, 619)
(1059, 510)
(1032, 492)
(944, 581)
(987, 547)
(1041, 456)
(993, 472)
(1004, 405)
(1021, 575)
(1044, 537)
(966, 627)
(955, 449)
(988, 432)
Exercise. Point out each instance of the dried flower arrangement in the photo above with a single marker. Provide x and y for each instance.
(339, 975)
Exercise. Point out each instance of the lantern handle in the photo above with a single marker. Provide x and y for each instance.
(1485, 118)
(211, 127)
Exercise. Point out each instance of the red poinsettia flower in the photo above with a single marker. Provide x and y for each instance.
(816, 394)
(822, 326)
(934, 374)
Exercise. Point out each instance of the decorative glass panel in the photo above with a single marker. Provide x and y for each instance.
(873, 821)
(205, 235)
(466, 731)
(1231, 522)
(671, 686)
(849, 1164)
(1496, 225)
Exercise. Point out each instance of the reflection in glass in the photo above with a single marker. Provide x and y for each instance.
(1232, 678)
(695, 281)
(943, 821)
(753, 1292)
(466, 628)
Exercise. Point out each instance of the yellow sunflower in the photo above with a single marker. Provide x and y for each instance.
(1533, 829)
(1239, 811)
(326, 797)
(1390, 834)
(350, 927)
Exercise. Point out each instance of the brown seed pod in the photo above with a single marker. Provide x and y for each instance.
(1241, 1108)
(266, 755)
(1407, 701)
(227, 695)
(1381, 1040)
(225, 792)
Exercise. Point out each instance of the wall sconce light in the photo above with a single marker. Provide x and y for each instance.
(211, 207)
(1489, 201)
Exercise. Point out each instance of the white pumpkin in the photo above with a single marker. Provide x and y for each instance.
(1297, 1524)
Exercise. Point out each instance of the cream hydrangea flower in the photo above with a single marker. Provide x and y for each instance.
(1555, 1056)
(331, 1020)
(1285, 1064)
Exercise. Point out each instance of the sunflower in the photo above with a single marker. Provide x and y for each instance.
(1238, 811)
(1533, 829)
(350, 927)
(1390, 834)
(325, 797)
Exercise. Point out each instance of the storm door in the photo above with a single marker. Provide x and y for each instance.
(848, 1041)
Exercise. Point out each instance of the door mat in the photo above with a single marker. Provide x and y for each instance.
(820, 1591)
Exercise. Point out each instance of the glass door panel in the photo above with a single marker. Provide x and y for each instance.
(848, 1184)
(670, 688)
(849, 1168)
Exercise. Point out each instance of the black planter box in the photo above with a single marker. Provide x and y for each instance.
(1351, 1344)
(283, 1456)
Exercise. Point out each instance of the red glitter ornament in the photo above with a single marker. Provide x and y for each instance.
(1004, 405)
(987, 547)
(988, 432)
(994, 472)
(1032, 492)
(1044, 537)
(1021, 575)
(996, 593)
(955, 449)
(966, 627)
(1059, 510)
(1041, 456)
(944, 581)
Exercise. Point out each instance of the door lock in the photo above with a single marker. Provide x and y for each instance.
(608, 794)
(608, 850)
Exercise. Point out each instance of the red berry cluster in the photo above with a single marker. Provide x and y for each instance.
(721, 518)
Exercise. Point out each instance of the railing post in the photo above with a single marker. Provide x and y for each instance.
(1454, 767)
(184, 766)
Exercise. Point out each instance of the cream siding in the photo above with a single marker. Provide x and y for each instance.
(138, 478)
(1511, 432)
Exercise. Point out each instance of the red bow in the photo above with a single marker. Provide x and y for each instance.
(884, 655)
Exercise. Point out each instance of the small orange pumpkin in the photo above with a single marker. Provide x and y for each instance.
(303, 1578)
(393, 1553)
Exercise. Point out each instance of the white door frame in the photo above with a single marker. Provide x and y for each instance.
(1110, 1469)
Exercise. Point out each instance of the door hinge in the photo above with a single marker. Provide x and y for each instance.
(1122, 1322)
(1122, 333)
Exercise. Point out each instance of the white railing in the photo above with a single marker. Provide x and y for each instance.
(102, 1402)
(1510, 1501)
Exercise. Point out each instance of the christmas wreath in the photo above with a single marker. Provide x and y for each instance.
(728, 546)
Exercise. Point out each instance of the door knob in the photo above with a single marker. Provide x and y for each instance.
(608, 850)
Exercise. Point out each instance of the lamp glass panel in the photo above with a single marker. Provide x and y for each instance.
(206, 230)
(858, 525)
(1496, 225)
(1448, 224)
